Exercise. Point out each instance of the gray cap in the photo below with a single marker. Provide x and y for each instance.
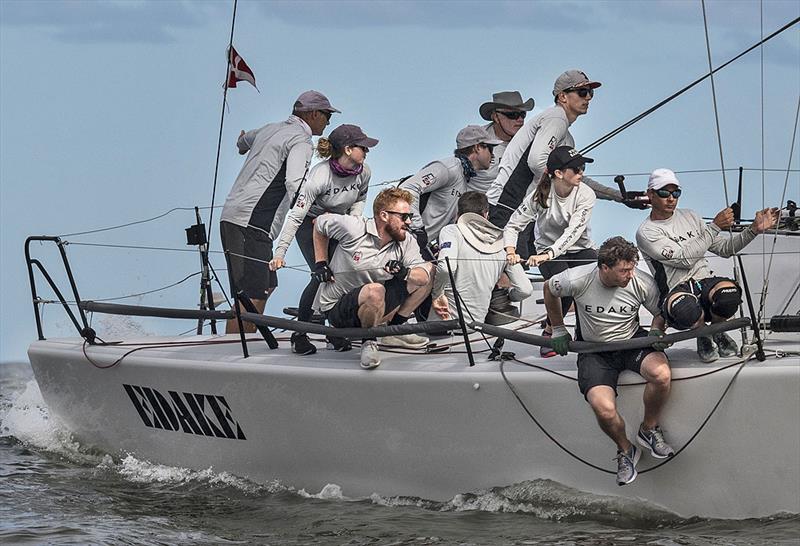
(475, 134)
(510, 100)
(313, 100)
(573, 78)
(350, 135)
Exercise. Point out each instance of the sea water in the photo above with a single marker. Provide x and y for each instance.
(53, 490)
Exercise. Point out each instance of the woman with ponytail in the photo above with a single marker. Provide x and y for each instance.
(561, 207)
(336, 185)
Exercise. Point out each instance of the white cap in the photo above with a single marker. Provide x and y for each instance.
(660, 178)
(475, 134)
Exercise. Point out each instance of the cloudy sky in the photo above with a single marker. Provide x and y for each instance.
(110, 113)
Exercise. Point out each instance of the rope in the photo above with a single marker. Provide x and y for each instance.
(580, 459)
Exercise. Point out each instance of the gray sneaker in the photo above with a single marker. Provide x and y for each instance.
(725, 345)
(707, 349)
(654, 441)
(370, 357)
(626, 465)
(405, 341)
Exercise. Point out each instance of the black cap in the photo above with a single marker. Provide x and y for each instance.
(563, 157)
(350, 135)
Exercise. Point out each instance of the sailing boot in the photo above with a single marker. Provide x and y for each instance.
(726, 346)
(301, 344)
(707, 349)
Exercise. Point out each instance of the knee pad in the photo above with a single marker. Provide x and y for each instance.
(683, 312)
(726, 301)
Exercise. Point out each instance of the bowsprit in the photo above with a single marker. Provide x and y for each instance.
(185, 411)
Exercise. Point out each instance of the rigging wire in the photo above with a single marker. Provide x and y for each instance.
(135, 222)
(675, 95)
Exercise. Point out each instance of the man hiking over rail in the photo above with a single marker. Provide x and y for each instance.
(607, 299)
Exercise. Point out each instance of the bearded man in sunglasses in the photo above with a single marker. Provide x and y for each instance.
(376, 275)
(506, 112)
(674, 241)
(525, 158)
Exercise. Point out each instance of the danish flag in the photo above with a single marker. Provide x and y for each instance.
(238, 71)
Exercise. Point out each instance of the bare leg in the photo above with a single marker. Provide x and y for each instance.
(370, 304)
(232, 325)
(655, 369)
(417, 295)
(603, 401)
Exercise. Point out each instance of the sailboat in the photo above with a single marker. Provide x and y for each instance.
(463, 414)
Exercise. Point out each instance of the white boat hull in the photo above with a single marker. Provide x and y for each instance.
(428, 426)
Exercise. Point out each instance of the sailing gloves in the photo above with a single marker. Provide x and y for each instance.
(396, 268)
(659, 345)
(560, 340)
(322, 273)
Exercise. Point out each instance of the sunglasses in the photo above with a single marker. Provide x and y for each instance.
(404, 216)
(663, 194)
(513, 115)
(326, 114)
(582, 92)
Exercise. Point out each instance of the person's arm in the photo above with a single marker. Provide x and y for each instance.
(552, 303)
(728, 246)
(308, 194)
(524, 215)
(602, 191)
(521, 286)
(420, 271)
(554, 288)
(430, 178)
(552, 132)
(245, 141)
(448, 248)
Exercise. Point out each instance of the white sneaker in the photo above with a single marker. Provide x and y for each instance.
(370, 357)
(407, 341)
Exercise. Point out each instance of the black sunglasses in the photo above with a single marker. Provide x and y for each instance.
(404, 216)
(663, 194)
(326, 114)
(512, 115)
(582, 92)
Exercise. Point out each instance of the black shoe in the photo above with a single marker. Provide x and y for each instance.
(301, 345)
(339, 344)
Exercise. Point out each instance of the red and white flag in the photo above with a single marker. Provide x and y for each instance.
(238, 71)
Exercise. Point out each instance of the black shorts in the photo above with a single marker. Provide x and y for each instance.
(604, 368)
(252, 276)
(701, 289)
(345, 313)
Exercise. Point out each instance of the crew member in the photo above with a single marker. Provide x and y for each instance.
(607, 296)
(338, 185)
(440, 183)
(561, 206)
(674, 241)
(278, 156)
(477, 261)
(525, 157)
(377, 274)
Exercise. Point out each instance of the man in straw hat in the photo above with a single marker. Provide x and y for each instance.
(506, 112)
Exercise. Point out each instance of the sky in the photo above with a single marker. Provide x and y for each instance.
(110, 113)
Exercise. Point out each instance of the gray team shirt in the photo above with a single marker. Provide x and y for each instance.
(674, 249)
(562, 227)
(476, 273)
(444, 180)
(483, 179)
(323, 191)
(606, 314)
(547, 130)
(278, 153)
(360, 259)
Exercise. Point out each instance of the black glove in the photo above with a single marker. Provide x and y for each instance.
(396, 268)
(322, 273)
